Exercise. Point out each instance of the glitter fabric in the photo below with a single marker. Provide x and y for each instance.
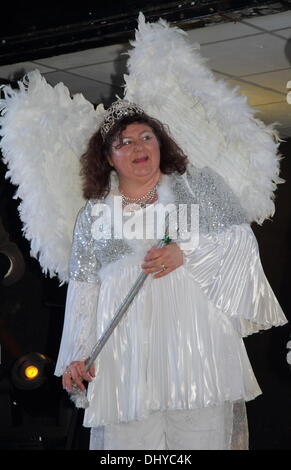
(84, 265)
(218, 209)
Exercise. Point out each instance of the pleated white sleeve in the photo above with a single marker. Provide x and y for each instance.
(79, 331)
(228, 269)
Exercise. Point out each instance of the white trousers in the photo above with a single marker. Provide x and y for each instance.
(221, 427)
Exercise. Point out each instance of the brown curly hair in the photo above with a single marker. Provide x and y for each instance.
(95, 168)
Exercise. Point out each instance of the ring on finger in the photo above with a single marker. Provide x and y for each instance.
(163, 267)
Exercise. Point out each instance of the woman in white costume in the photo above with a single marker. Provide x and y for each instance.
(175, 373)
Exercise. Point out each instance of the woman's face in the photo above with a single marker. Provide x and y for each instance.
(136, 154)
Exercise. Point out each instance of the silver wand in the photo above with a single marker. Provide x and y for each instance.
(78, 396)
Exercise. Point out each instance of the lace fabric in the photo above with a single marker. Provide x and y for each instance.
(221, 427)
(240, 431)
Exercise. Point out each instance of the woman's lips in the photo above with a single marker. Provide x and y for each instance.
(140, 160)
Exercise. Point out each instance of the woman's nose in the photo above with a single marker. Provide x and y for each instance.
(138, 145)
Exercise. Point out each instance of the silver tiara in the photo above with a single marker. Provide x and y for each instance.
(118, 110)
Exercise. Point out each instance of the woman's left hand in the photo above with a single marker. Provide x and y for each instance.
(162, 260)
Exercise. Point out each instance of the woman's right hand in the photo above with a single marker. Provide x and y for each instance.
(76, 372)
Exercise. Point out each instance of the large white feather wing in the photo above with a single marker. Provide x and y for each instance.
(212, 124)
(44, 132)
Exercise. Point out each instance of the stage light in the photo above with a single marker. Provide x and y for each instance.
(31, 371)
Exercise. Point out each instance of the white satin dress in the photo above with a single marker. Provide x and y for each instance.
(179, 347)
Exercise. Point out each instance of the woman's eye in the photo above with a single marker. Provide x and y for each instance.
(126, 142)
(147, 137)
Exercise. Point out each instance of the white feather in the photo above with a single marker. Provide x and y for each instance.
(212, 124)
(44, 132)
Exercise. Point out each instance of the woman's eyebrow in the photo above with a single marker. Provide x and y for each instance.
(129, 136)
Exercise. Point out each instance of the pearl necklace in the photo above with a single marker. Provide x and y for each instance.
(142, 200)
